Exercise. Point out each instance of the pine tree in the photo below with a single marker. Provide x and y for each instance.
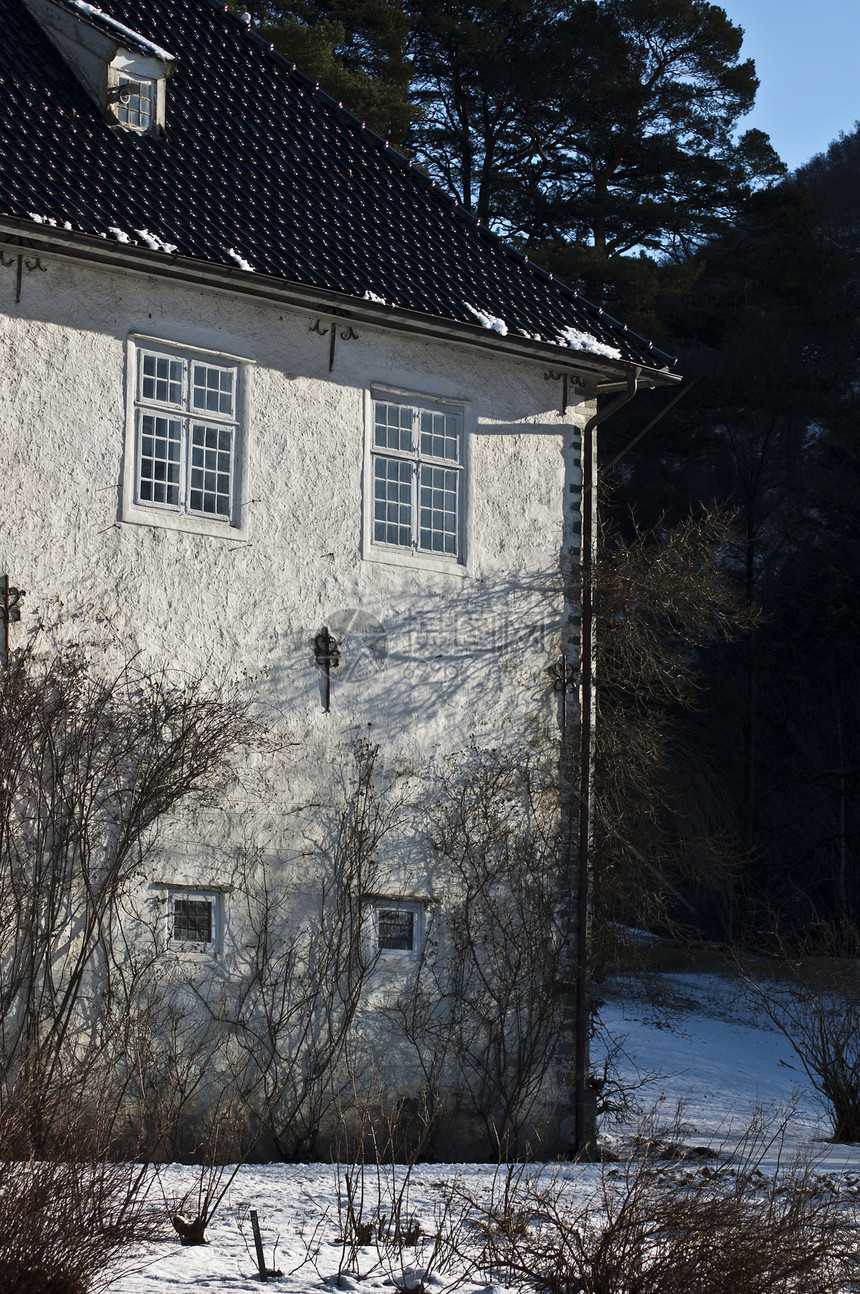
(355, 49)
(606, 127)
(479, 70)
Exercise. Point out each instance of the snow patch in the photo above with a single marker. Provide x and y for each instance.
(120, 235)
(153, 242)
(532, 336)
(577, 340)
(240, 260)
(90, 11)
(488, 320)
(41, 220)
(371, 296)
(711, 1053)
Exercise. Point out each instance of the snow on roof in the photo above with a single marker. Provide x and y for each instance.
(90, 11)
(576, 339)
(486, 320)
(153, 242)
(240, 260)
(257, 159)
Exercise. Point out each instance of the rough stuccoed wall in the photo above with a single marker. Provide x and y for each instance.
(430, 660)
(461, 654)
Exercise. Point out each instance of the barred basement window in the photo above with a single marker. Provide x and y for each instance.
(193, 921)
(417, 456)
(398, 928)
(186, 432)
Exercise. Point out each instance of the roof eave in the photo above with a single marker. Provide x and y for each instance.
(595, 373)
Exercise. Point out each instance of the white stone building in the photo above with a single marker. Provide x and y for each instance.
(263, 380)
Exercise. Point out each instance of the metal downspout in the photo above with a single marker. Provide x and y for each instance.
(582, 1020)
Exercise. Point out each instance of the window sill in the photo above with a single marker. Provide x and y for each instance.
(137, 516)
(416, 562)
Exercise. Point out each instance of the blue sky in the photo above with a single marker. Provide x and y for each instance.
(808, 61)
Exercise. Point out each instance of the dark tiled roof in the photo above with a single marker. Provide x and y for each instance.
(258, 163)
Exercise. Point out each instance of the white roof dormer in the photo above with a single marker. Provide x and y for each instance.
(137, 92)
(125, 73)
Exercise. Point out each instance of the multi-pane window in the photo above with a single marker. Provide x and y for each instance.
(417, 453)
(135, 102)
(193, 921)
(398, 928)
(186, 431)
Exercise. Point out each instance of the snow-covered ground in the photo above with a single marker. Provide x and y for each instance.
(702, 1051)
(705, 1047)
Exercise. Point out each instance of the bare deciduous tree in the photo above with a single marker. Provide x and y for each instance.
(90, 765)
(486, 1013)
(662, 818)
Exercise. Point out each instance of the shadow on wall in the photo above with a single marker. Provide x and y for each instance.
(436, 658)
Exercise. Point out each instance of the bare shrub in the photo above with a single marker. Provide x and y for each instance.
(74, 1222)
(296, 1014)
(487, 1011)
(657, 1227)
(223, 1148)
(379, 1230)
(90, 765)
(92, 1031)
(812, 996)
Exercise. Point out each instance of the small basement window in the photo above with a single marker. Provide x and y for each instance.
(398, 928)
(193, 921)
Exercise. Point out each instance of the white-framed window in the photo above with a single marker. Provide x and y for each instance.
(417, 477)
(398, 928)
(186, 434)
(134, 100)
(137, 92)
(194, 919)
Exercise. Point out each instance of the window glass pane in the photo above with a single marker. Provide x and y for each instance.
(135, 101)
(440, 435)
(193, 921)
(392, 501)
(212, 389)
(438, 500)
(210, 478)
(393, 426)
(396, 929)
(161, 379)
(158, 460)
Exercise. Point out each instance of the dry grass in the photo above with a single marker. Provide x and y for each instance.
(652, 1227)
